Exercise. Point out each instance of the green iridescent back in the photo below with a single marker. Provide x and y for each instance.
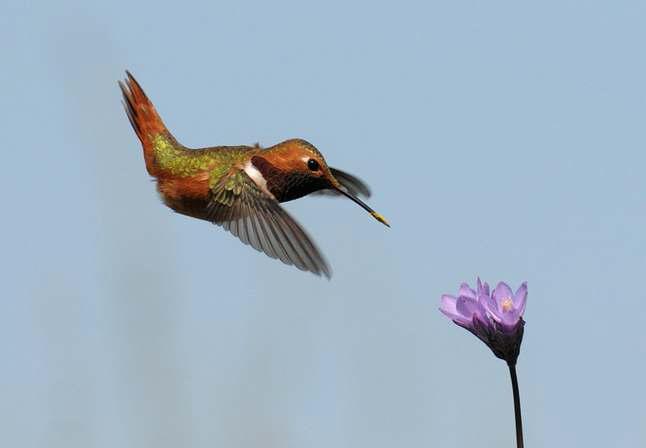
(179, 161)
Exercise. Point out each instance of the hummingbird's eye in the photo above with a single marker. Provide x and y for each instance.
(313, 165)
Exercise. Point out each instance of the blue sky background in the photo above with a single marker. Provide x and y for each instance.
(501, 139)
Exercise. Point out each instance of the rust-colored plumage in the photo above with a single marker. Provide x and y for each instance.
(144, 119)
(241, 187)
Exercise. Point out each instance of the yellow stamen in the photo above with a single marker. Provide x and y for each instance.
(506, 304)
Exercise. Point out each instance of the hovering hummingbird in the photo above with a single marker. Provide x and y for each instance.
(241, 187)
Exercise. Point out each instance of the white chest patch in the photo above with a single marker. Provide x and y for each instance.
(255, 175)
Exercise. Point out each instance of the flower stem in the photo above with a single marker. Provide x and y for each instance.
(519, 419)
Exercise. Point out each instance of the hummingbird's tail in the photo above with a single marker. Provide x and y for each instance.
(144, 120)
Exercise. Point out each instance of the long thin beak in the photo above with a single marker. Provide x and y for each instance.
(365, 206)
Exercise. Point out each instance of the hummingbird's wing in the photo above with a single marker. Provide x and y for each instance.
(257, 219)
(353, 184)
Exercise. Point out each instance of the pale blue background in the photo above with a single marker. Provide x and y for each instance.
(501, 139)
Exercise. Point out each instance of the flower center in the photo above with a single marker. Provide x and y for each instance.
(506, 304)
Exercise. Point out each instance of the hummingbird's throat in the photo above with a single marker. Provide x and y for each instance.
(286, 185)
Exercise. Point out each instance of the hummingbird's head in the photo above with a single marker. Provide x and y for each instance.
(295, 168)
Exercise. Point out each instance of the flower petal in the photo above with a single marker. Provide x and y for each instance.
(449, 309)
(510, 318)
(492, 308)
(479, 282)
(447, 305)
(520, 299)
(470, 308)
(483, 288)
(466, 291)
(502, 292)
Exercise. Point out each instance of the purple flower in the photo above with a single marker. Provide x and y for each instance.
(495, 317)
(505, 307)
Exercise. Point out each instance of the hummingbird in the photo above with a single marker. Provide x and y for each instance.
(240, 188)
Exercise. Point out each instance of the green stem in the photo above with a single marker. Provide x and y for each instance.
(519, 419)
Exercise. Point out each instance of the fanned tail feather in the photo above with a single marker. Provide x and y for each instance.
(144, 119)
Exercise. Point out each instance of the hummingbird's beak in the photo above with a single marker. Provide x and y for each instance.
(365, 206)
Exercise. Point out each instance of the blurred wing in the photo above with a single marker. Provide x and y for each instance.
(257, 219)
(353, 184)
